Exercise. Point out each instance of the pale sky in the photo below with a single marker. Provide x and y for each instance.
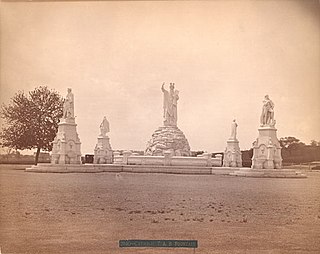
(223, 56)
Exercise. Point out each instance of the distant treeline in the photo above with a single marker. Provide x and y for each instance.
(17, 158)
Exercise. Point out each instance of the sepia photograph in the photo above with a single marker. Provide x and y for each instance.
(159, 127)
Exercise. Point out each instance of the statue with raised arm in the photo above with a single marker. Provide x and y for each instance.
(68, 105)
(234, 126)
(104, 127)
(267, 115)
(170, 101)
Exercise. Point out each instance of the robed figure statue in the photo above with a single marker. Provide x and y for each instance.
(104, 127)
(234, 126)
(170, 101)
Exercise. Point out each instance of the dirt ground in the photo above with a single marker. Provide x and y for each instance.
(90, 213)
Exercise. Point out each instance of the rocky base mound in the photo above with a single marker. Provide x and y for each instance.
(168, 138)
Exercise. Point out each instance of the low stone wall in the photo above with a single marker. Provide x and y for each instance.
(98, 168)
(74, 168)
(204, 160)
(133, 163)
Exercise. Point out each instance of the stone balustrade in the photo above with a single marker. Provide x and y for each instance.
(204, 160)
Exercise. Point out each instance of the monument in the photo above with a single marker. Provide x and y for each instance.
(267, 149)
(266, 159)
(232, 153)
(169, 138)
(66, 144)
(103, 150)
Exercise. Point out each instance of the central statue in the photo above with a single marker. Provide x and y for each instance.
(170, 101)
(168, 138)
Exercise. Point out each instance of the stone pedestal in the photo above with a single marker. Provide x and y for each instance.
(168, 138)
(66, 145)
(232, 154)
(103, 151)
(267, 150)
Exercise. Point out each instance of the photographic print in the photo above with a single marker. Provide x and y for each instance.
(160, 127)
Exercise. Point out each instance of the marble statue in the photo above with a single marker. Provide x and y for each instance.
(232, 154)
(104, 127)
(103, 152)
(170, 101)
(234, 126)
(267, 158)
(267, 115)
(68, 105)
(168, 138)
(267, 149)
(66, 146)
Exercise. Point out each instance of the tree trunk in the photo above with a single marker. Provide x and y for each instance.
(37, 156)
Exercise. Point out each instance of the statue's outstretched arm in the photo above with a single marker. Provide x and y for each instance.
(162, 87)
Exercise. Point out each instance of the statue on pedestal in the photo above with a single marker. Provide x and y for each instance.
(66, 147)
(170, 103)
(103, 151)
(267, 115)
(267, 159)
(169, 138)
(267, 149)
(232, 153)
(68, 105)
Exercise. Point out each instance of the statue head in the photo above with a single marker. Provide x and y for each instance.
(171, 86)
(69, 90)
(266, 97)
